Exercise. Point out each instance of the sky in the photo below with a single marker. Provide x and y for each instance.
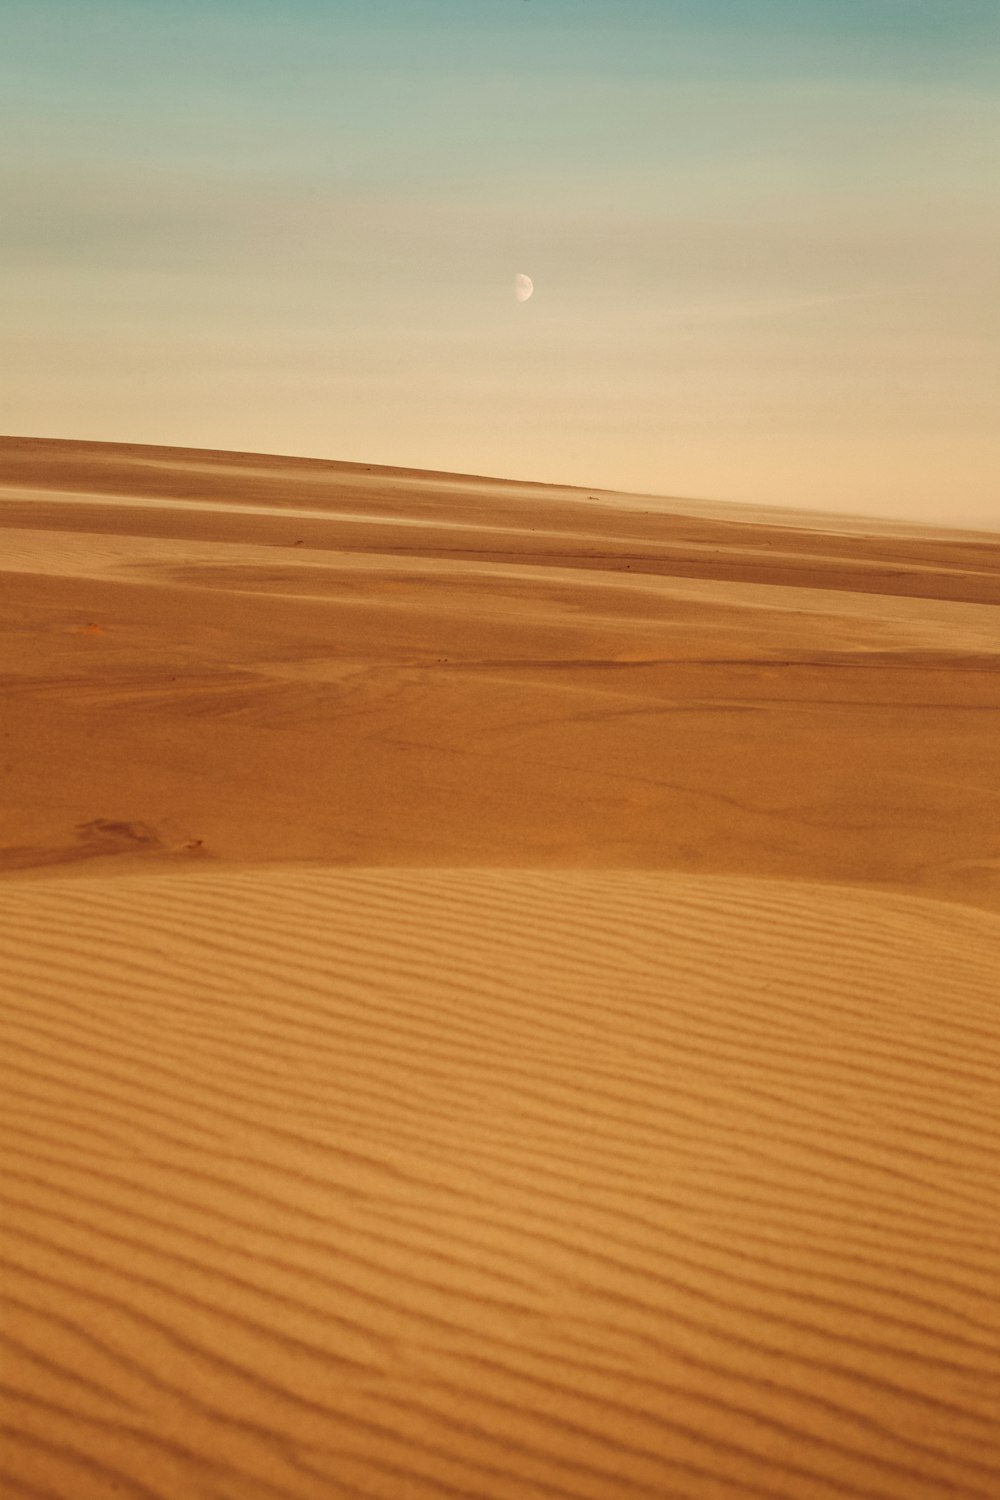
(764, 237)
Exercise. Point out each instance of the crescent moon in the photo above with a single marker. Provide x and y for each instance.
(523, 286)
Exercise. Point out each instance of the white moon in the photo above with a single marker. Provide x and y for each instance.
(523, 286)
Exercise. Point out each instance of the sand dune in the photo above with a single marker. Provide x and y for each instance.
(500, 990)
(499, 1183)
(682, 694)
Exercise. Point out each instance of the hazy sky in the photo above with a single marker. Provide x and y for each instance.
(764, 236)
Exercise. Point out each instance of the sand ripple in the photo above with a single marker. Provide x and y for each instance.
(499, 1184)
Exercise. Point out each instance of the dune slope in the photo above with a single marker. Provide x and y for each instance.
(441, 672)
(498, 1184)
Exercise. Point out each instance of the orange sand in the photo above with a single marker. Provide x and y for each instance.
(501, 990)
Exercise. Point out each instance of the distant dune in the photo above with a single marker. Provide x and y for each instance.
(501, 990)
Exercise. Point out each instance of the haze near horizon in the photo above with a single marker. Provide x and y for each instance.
(762, 238)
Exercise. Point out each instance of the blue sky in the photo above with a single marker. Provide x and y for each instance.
(763, 233)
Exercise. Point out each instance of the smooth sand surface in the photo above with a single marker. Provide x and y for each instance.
(501, 990)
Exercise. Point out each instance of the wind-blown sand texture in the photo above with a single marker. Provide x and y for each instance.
(501, 990)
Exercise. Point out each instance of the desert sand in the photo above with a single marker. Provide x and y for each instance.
(501, 990)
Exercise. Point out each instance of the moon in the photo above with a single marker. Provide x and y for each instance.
(523, 286)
